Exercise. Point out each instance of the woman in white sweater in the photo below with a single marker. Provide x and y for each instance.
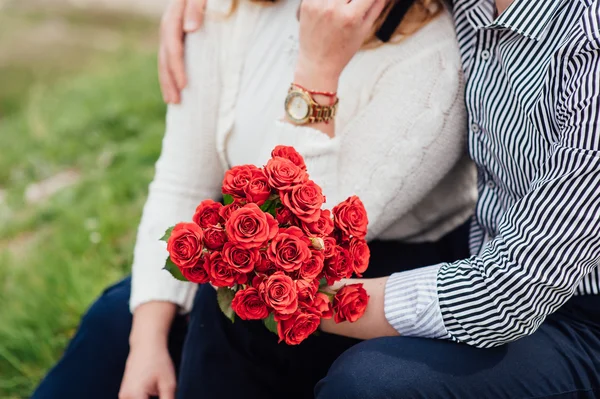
(397, 141)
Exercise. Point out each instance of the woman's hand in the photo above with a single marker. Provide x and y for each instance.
(149, 370)
(331, 33)
(180, 17)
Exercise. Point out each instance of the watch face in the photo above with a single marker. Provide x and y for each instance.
(297, 107)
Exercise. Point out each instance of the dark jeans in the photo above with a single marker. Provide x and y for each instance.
(224, 360)
(560, 360)
(93, 363)
(219, 354)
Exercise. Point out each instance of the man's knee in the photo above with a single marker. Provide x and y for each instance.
(368, 371)
(395, 367)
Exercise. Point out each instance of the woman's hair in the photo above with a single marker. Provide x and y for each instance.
(418, 15)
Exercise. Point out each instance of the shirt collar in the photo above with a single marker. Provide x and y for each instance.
(529, 18)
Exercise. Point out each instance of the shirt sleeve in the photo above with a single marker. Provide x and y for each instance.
(411, 303)
(546, 244)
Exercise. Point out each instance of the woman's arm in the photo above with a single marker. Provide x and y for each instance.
(187, 172)
(405, 142)
(399, 147)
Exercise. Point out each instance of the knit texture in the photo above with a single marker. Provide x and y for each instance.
(400, 141)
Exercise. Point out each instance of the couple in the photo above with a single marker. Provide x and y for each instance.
(519, 318)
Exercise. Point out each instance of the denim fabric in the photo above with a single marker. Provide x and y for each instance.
(92, 366)
(224, 360)
(560, 360)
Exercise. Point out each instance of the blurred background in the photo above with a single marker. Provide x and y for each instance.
(81, 120)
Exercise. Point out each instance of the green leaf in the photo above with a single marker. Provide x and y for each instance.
(167, 234)
(224, 297)
(265, 207)
(323, 282)
(227, 199)
(270, 323)
(273, 209)
(174, 270)
(270, 206)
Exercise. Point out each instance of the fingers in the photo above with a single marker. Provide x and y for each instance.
(194, 15)
(374, 11)
(361, 6)
(168, 86)
(132, 395)
(166, 389)
(171, 65)
(175, 60)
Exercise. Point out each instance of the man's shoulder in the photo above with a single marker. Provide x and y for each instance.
(589, 22)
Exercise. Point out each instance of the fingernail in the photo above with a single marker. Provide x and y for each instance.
(190, 25)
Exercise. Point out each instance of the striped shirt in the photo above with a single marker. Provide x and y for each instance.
(533, 98)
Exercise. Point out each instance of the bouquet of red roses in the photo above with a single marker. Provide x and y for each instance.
(271, 250)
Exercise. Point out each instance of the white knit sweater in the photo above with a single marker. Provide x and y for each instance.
(399, 143)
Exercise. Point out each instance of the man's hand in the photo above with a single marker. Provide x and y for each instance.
(373, 324)
(180, 17)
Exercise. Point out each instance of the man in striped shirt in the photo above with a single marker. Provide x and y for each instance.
(529, 294)
(532, 70)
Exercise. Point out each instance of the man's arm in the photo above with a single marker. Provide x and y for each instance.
(546, 244)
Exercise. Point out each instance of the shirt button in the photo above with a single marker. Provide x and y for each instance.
(485, 55)
(475, 128)
(491, 184)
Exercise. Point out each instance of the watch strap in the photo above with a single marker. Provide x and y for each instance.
(318, 113)
(323, 113)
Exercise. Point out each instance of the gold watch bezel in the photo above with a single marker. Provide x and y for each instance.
(293, 93)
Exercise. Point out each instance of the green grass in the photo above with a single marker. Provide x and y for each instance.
(101, 117)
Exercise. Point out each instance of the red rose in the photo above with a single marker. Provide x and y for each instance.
(264, 265)
(289, 153)
(283, 174)
(185, 244)
(322, 306)
(350, 303)
(226, 211)
(350, 217)
(240, 258)
(258, 190)
(207, 214)
(330, 245)
(323, 226)
(285, 216)
(248, 305)
(214, 238)
(289, 249)
(236, 180)
(250, 227)
(298, 327)
(311, 269)
(197, 274)
(257, 281)
(339, 266)
(279, 293)
(306, 291)
(304, 201)
(222, 274)
(360, 252)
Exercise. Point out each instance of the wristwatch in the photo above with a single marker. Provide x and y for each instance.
(302, 109)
